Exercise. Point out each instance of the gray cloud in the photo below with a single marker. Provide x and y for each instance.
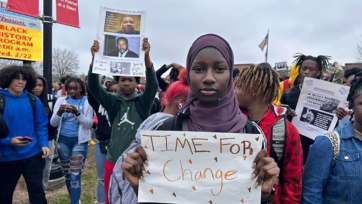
(310, 27)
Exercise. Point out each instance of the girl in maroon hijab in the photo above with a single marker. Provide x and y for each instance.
(211, 107)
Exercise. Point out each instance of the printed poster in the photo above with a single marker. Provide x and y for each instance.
(281, 66)
(317, 104)
(120, 34)
(197, 167)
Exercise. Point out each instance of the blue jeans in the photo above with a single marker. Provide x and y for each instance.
(100, 158)
(72, 157)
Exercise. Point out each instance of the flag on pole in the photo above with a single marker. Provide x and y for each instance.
(264, 42)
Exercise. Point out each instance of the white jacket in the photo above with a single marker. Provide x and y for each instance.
(85, 120)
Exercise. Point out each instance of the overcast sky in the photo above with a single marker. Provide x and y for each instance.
(308, 26)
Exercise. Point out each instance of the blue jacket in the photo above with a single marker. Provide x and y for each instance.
(19, 117)
(327, 181)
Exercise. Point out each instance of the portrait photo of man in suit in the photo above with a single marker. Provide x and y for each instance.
(120, 68)
(122, 49)
(127, 26)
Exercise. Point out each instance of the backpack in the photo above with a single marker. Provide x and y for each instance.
(31, 100)
(277, 141)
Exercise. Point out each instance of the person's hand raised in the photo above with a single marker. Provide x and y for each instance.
(146, 47)
(174, 65)
(95, 47)
(133, 167)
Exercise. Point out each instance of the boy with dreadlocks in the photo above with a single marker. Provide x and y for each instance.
(256, 88)
(309, 66)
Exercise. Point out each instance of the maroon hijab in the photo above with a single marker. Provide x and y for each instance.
(223, 115)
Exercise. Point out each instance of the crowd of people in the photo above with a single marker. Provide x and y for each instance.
(208, 95)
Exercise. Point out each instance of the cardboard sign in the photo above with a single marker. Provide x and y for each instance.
(197, 167)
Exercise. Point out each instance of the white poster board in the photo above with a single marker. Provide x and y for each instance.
(120, 34)
(317, 104)
(281, 66)
(197, 167)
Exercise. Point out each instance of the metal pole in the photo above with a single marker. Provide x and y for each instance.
(25, 62)
(47, 42)
(267, 48)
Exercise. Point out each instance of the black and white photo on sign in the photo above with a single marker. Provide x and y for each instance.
(120, 68)
(121, 46)
(120, 34)
(279, 66)
(330, 105)
(316, 118)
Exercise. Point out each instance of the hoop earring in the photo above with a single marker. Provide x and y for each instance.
(179, 105)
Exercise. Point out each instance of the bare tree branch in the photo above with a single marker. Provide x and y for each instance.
(359, 52)
(5, 63)
(65, 62)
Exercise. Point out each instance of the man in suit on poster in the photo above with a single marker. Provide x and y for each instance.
(122, 49)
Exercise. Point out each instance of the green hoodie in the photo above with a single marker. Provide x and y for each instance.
(123, 112)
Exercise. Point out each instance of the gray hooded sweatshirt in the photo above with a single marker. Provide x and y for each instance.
(120, 190)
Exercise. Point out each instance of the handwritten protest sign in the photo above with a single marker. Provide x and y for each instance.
(196, 167)
(317, 104)
(120, 35)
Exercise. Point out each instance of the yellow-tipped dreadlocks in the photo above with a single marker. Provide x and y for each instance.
(259, 80)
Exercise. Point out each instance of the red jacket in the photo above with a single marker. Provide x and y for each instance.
(290, 191)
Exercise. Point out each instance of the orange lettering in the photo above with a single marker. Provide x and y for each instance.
(248, 147)
(183, 145)
(218, 175)
(193, 142)
(198, 175)
(151, 136)
(230, 173)
(166, 144)
(183, 172)
(231, 149)
(164, 173)
(221, 144)
(212, 173)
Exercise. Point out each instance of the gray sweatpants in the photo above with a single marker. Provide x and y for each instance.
(48, 165)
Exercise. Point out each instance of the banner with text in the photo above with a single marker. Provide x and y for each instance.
(317, 104)
(120, 34)
(26, 7)
(16, 19)
(20, 43)
(67, 12)
(197, 167)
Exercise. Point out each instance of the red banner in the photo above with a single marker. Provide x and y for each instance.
(67, 12)
(26, 7)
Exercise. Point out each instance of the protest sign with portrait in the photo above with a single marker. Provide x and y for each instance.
(317, 104)
(120, 34)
